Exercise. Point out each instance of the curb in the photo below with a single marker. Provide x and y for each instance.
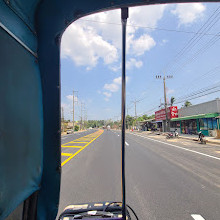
(189, 138)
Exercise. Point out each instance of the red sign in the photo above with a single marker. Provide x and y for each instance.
(172, 112)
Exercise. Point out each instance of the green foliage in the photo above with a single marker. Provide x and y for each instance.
(187, 103)
(172, 100)
(130, 121)
(76, 128)
(95, 123)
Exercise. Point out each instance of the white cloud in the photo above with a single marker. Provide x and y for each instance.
(70, 97)
(87, 43)
(134, 63)
(142, 44)
(112, 87)
(147, 16)
(188, 13)
(117, 80)
(115, 68)
(115, 85)
(107, 94)
(85, 47)
(170, 91)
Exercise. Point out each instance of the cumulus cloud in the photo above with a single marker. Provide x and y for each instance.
(98, 37)
(188, 13)
(85, 47)
(107, 94)
(70, 97)
(112, 87)
(115, 85)
(170, 91)
(142, 44)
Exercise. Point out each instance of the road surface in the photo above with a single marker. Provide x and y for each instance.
(165, 180)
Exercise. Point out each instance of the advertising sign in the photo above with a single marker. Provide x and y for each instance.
(172, 112)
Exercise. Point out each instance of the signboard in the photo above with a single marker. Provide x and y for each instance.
(172, 112)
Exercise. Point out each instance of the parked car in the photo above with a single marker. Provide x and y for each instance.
(69, 131)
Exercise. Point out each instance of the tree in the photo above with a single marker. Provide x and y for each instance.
(76, 127)
(172, 100)
(129, 121)
(187, 103)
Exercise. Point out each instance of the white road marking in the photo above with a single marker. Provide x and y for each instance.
(126, 143)
(197, 217)
(182, 148)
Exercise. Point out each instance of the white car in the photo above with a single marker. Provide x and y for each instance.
(69, 131)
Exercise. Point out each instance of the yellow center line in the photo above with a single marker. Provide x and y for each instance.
(76, 142)
(72, 146)
(68, 159)
(80, 139)
(66, 154)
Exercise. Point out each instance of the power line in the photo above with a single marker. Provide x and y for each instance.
(153, 28)
(195, 39)
(200, 96)
(196, 93)
(205, 47)
(210, 73)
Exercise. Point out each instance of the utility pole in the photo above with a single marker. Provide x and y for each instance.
(165, 101)
(167, 127)
(135, 110)
(85, 116)
(82, 110)
(62, 119)
(74, 108)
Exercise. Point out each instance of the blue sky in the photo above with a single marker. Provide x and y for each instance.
(91, 58)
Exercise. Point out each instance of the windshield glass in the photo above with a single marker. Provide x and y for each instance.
(172, 109)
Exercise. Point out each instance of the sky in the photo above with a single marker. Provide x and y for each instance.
(181, 40)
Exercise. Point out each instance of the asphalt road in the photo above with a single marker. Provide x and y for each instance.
(165, 180)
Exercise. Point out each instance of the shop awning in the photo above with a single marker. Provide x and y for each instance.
(209, 115)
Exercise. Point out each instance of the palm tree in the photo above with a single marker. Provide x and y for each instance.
(172, 100)
(187, 103)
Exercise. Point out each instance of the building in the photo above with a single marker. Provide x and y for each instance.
(148, 125)
(203, 117)
(160, 116)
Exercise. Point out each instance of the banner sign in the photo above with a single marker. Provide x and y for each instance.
(172, 112)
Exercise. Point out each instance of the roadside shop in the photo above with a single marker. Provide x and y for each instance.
(202, 117)
(148, 125)
(160, 117)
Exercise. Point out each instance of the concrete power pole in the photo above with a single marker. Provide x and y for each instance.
(74, 108)
(81, 116)
(167, 127)
(165, 101)
(135, 110)
(62, 120)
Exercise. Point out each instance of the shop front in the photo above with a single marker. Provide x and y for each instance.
(160, 116)
(206, 123)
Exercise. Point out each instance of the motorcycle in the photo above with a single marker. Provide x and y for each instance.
(202, 139)
(174, 134)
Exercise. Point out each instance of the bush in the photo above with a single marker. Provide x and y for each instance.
(76, 128)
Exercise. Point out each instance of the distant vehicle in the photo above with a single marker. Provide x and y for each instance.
(202, 138)
(90, 128)
(172, 135)
(108, 127)
(69, 131)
